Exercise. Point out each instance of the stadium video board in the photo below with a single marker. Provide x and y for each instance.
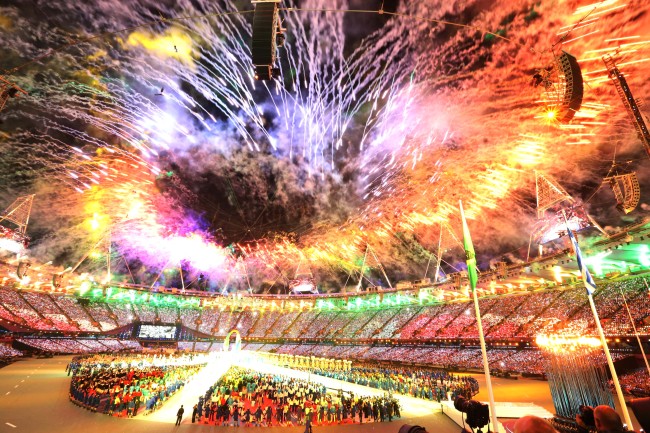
(157, 332)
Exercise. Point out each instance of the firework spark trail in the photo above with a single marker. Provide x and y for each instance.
(487, 188)
(319, 111)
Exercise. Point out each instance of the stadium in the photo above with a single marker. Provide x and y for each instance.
(336, 215)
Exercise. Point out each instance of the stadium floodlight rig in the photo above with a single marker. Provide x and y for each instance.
(303, 281)
(268, 35)
(631, 104)
(17, 213)
(550, 195)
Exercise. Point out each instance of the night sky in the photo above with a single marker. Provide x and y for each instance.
(142, 119)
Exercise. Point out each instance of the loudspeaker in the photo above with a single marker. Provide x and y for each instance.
(263, 45)
(57, 279)
(21, 270)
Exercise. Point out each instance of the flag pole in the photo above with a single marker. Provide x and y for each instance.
(610, 363)
(591, 287)
(473, 277)
(486, 366)
(439, 258)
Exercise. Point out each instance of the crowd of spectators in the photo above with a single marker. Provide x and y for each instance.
(227, 322)
(186, 346)
(145, 313)
(533, 305)
(102, 314)
(507, 316)
(638, 301)
(7, 351)
(115, 345)
(395, 321)
(123, 313)
(123, 385)
(246, 321)
(249, 398)
(636, 382)
(456, 326)
(204, 346)
(17, 306)
(45, 306)
(168, 315)
(419, 323)
(302, 322)
(373, 321)
(189, 317)
(559, 317)
(439, 316)
(503, 310)
(79, 345)
(319, 326)
(208, 321)
(337, 324)
(77, 313)
(272, 325)
(350, 330)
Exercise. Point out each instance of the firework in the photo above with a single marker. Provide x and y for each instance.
(160, 136)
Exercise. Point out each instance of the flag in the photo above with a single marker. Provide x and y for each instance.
(590, 285)
(472, 272)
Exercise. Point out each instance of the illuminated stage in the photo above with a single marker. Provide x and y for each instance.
(43, 383)
(411, 407)
(189, 395)
(191, 392)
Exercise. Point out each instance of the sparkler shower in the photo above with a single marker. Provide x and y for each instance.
(143, 129)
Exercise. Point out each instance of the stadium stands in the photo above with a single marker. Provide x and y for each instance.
(9, 352)
(79, 345)
(101, 314)
(367, 334)
(515, 316)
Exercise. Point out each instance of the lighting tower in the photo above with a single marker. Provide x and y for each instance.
(549, 193)
(631, 104)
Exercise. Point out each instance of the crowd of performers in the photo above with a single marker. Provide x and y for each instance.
(249, 398)
(130, 384)
(125, 385)
(434, 385)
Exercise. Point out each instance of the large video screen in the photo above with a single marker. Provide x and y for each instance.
(157, 332)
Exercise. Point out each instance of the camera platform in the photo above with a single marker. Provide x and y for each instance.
(504, 410)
